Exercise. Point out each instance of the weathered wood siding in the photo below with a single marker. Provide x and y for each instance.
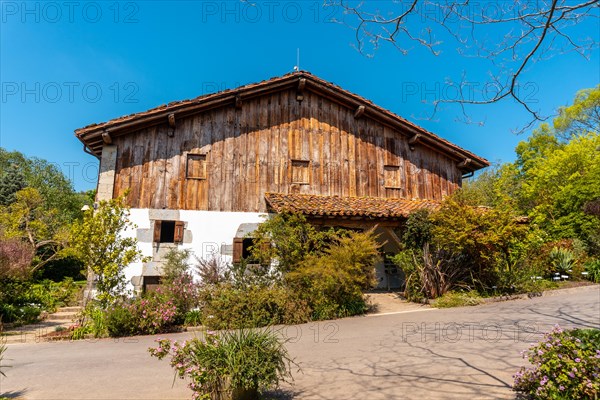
(263, 147)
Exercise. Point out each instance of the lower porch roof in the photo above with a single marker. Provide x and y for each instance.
(342, 206)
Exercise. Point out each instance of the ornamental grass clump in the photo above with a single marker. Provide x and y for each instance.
(228, 365)
(566, 365)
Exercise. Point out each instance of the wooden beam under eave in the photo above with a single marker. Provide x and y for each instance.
(465, 163)
(301, 84)
(171, 119)
(414, 139)
(360, 110)
(106, 138)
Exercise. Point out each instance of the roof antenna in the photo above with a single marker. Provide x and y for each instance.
(297, 66)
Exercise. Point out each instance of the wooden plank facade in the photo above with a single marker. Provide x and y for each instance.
(227, 158)
(293, 134)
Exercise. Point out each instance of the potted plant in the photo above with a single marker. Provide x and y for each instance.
(234, 365)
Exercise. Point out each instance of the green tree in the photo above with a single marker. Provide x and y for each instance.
(581, 117)
(555, 175)
(99, 242)
(488, 244)
(11, 181)
(558, 186)
(28, 219)
(47, 178)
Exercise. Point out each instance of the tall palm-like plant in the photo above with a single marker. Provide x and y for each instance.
(563, 260)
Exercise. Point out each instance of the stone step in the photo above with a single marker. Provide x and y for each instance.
(62, 316)
(70, 309)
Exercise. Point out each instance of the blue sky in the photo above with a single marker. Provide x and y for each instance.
(65, 65)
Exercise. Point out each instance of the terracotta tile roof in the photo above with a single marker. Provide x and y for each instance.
(337, 206)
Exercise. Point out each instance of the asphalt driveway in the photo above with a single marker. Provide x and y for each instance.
(468, 352)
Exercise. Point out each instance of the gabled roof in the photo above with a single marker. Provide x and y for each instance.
(93, 139)
(337, 206)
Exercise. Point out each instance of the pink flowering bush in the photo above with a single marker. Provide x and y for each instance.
(183, 293)
(150, 314)
(566, 365)
(233, 365)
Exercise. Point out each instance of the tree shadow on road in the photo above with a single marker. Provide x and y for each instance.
(15, 394)
(279, 394)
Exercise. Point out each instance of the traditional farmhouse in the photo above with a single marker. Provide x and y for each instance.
(202, 173)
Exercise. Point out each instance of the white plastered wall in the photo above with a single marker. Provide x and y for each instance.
(206, 233)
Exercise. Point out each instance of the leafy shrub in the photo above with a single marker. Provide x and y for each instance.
(458, 299)
(176, 265)
(121, 320)
(182, 293)
(230, 362)
(563, 260)
(534, 285)
(178, 283)
(406, 260)
(332, 283)
(193, 318)
(91, 321)
(418, 229)
(566, 365)
(593, 270)
(22, 301)
(50, 295)
(485, 243)
(228, 307)
(150, 314)
(20, 314)
(287, 239)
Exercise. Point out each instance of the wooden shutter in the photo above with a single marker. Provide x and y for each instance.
(391, 176)
(196, 166)
(300, 172)
(157, 231)
(179, 230)
(238, 249)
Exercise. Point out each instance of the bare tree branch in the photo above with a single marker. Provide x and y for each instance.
(528, 32)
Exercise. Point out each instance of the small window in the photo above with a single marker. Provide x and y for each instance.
(241, 249)
(151, 283)
(300, 172)
(391, 176)
(195, 166)
(168, 231)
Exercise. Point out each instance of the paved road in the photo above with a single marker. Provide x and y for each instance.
(467, 353)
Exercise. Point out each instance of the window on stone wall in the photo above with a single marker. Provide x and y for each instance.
(301, 172)
(195, 166)
(169, 231)
(391, 176)
(241, 250)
